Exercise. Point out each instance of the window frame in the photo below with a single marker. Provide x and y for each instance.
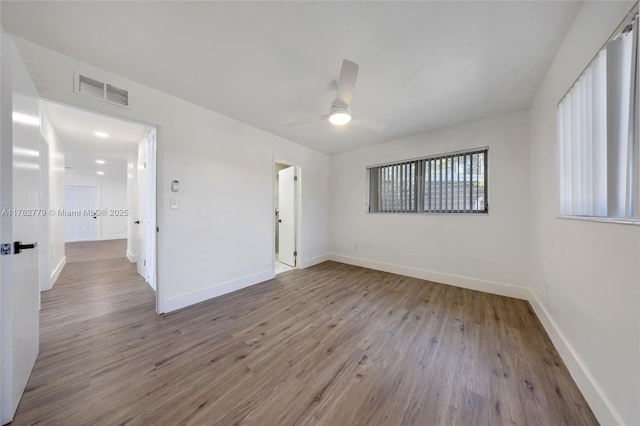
(420, 183)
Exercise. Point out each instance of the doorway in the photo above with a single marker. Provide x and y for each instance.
(286, 196)
(109, 167)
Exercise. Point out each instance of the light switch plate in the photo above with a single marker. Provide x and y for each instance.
(174, 204)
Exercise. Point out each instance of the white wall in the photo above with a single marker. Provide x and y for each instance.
(57, 258)
(487, 252)
(585, 275)
(222, 238)
(112, 195)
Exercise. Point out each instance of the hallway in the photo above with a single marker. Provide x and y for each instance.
(97, 296)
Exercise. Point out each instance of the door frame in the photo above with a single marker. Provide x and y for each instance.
(298, 211)
(159, 129)
(44, 240)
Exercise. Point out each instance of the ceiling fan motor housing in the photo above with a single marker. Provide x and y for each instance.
(339, 106)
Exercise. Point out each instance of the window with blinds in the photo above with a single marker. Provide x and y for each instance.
(447, 183)
(598, 133)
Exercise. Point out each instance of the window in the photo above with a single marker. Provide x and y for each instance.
(448, 183)
(597, 122)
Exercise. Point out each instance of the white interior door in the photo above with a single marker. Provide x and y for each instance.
(141, 220)
(19, 195)
(287, 216)
(150, 217)
(80, 223)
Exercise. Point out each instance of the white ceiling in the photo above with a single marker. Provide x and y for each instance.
(75, 129)
(423, 65)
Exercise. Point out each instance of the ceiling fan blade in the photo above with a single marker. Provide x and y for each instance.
(307, 121)
(347, 81)
(369, 123)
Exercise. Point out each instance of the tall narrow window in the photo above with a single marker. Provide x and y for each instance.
(597, 127)
(447, 183)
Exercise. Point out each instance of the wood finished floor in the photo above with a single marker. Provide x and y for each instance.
(330, 345)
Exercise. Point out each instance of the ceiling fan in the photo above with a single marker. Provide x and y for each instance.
(339, 113)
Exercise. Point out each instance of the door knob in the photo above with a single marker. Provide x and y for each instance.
(18, 246)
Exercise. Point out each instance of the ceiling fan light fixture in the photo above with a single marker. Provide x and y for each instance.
(339, 118)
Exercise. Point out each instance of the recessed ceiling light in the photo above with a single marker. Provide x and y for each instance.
(100, 173)
(101, 134)
(100, 161)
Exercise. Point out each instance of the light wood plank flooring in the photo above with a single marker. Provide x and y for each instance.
(331, 345)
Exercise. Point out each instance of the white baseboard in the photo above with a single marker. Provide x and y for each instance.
(186, 299)
(492, 287)
(100, 238)
(596, 398)
(133, 258)
(56, 272)
(111, 237)
(306, 263)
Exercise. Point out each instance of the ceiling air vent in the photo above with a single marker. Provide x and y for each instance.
(102, 91)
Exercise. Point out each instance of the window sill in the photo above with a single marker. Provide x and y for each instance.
(620, 221)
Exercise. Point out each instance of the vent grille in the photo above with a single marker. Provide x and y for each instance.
(102, 91)
(91, 87)
(116, 95)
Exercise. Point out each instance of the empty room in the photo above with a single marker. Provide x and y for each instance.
(319, 213)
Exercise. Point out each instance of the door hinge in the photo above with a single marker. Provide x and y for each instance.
(295, 178)
(144, 262)
(295, 253)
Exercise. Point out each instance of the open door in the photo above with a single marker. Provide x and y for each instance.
(141, 221)
(150, 205)
(287, 216)
(19, 229)
(147, 208)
